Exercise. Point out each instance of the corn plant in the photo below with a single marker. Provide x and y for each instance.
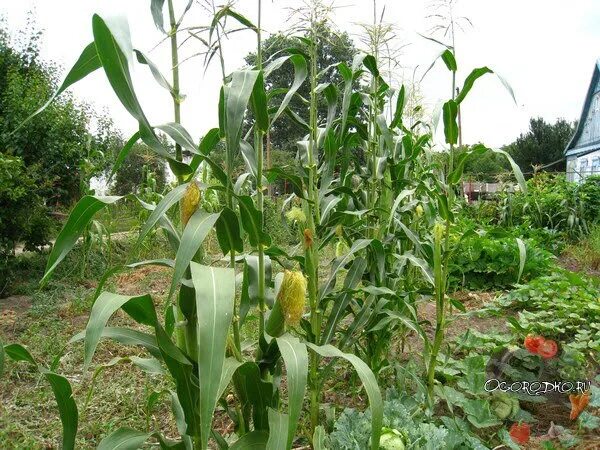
(191, 337)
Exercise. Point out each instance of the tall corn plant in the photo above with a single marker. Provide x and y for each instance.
(202, 303)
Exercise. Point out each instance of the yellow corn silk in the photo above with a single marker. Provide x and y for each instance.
(292, 296)
(190, 202)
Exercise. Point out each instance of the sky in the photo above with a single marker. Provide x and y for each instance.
(545, 49)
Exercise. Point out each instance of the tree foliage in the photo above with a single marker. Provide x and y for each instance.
(61, 140)
(543, 144)
(140, 161)
(333, 48)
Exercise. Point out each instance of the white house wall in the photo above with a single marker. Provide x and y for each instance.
(583, 166)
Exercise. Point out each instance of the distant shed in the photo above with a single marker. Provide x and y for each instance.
(583, 151)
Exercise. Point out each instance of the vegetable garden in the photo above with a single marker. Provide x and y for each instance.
(377, 322)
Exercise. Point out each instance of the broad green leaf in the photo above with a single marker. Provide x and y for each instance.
(249, 156)
(215, 294)
(140, 308)
(164, 205)
(255, 440)
(186, 382)
(450, 112)
(228, 232)
(515, 168)
(470, 81)
(331, 95)
(355, 273)
(193, 235)
(79, 218)
(228, 11)
(230, 365)
(449, 60)
(113, 45)
(443, 55)
(339, 263)
(256, 393)
(249, 295)
(237, 96)
(522, 256)
(327, 205)
(252, 221)
(397, 120)
(125, 336)
(278, 430)
(369, 382)
(300, 74)
(124, 439)
(295, 356)
(17, 352)
(401, 196)
(156, 8)
(160, 79)
(124, 153)
(456, 174)
(66, 407)
(180, 135)
(318, 441)
(419, 263)
(258, 100)
(180, 420)
(87, 63)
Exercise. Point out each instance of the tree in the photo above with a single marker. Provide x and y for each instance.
(334, 47)
(132, 174)
(542, 145)
(60, 140)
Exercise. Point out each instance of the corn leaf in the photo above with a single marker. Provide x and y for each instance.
(87, 63)
(193, 235)
(228, 232)
(114, 49)
(79, 218)
(215, 293)
(278, 430)
(369, 382)
(300, 74)
(255, 440)
(163, 206)
(140, 308)
(124, 439)
(449, 114)
(295, 356)
(237, 96)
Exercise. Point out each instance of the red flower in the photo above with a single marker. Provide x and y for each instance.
(578, 404)
(532, 343)
(548, 349)
(520, 432)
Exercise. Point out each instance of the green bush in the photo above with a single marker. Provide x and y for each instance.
(23, 216)
(490, 262)
(589, 192)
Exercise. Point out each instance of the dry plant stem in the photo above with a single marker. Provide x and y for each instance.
(311, 256)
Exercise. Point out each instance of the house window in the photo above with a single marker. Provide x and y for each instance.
(596, 165)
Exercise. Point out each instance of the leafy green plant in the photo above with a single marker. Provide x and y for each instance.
(562, 306)
(491, 261)
(193, 340)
